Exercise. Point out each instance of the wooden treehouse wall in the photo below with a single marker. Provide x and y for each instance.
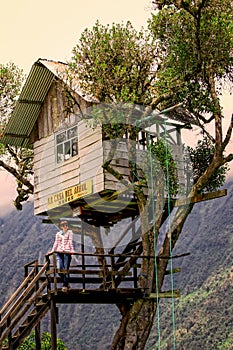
(120, 160)
(52, 177)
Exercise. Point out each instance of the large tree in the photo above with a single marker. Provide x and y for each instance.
(17, 161)
(186, 59)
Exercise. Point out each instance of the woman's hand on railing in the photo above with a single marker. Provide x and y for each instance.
(48, 253)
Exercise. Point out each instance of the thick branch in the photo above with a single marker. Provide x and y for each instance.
(217, 110)
(171, 239)
(228, 159)
(19, 177)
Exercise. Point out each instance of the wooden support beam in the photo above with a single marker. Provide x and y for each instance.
(38, 336)
(166, 294)
(172, 256)
(53, 321)
(169, 272)
(200, 198)
(116, 273)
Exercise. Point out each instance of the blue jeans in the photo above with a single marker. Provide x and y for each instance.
(63, 263)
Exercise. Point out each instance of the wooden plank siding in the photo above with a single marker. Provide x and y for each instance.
(52, 177)
(91, 155)
(120, 161)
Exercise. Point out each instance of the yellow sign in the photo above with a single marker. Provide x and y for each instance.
(70, 194)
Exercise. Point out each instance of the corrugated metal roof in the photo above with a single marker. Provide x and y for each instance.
(28, 106)
(35, 89)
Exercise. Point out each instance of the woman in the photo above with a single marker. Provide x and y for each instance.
(63, 246)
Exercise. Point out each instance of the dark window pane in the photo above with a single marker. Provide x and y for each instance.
(74, 147)
(61, 137)
(66, 144)
(67, 150)
(60, 155)
(72, 132)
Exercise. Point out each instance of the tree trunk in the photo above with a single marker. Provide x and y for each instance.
(137, 321)
(135, 326)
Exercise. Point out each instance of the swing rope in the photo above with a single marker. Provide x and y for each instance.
(155, 240)
(169, 229)
(155, 243)
(155, 249)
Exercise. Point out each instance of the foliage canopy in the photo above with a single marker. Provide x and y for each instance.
(201, 156)
(195, 38)
(114, 63)
(11, 78)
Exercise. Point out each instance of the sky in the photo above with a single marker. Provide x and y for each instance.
(31, 29)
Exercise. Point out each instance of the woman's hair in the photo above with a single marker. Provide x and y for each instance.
(63, 222)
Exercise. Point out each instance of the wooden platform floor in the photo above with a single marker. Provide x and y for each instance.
(98, 296)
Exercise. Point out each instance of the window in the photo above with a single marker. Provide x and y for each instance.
(67, 144)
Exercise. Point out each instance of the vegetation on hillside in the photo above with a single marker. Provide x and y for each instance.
(205, 282)
(30, 344)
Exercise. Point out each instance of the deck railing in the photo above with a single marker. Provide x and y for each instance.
(21, 303)
(91, 273)
(31, 301)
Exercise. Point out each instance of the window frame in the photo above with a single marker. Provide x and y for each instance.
(66, 144)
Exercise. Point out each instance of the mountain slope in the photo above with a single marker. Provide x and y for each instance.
(203, 314)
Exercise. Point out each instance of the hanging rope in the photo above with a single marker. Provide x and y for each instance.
(155, 247)
(155, 239)
(169, 229)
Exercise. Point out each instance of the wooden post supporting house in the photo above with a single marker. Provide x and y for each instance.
(53, 324)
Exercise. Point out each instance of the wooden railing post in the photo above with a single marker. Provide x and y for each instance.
(37, 328)
(83, 255)
(10, 345)
(38, 336)
(55, 272)
(36, 272)
(112, 260)
(47, 259)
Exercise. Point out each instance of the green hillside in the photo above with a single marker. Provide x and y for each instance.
(203, 318)
(203, 315)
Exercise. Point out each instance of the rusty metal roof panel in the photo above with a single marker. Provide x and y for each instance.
(61, 71)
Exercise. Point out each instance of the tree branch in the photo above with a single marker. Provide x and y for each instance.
(19, 177)
(228, 134)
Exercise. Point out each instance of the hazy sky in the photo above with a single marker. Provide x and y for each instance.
(49, 29)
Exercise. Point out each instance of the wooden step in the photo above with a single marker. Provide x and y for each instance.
(23, 326)
(40, 305)
(120, 263)
(31, 316)
(134, 243)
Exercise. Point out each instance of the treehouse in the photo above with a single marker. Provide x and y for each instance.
(90, 173)
(53, 116)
